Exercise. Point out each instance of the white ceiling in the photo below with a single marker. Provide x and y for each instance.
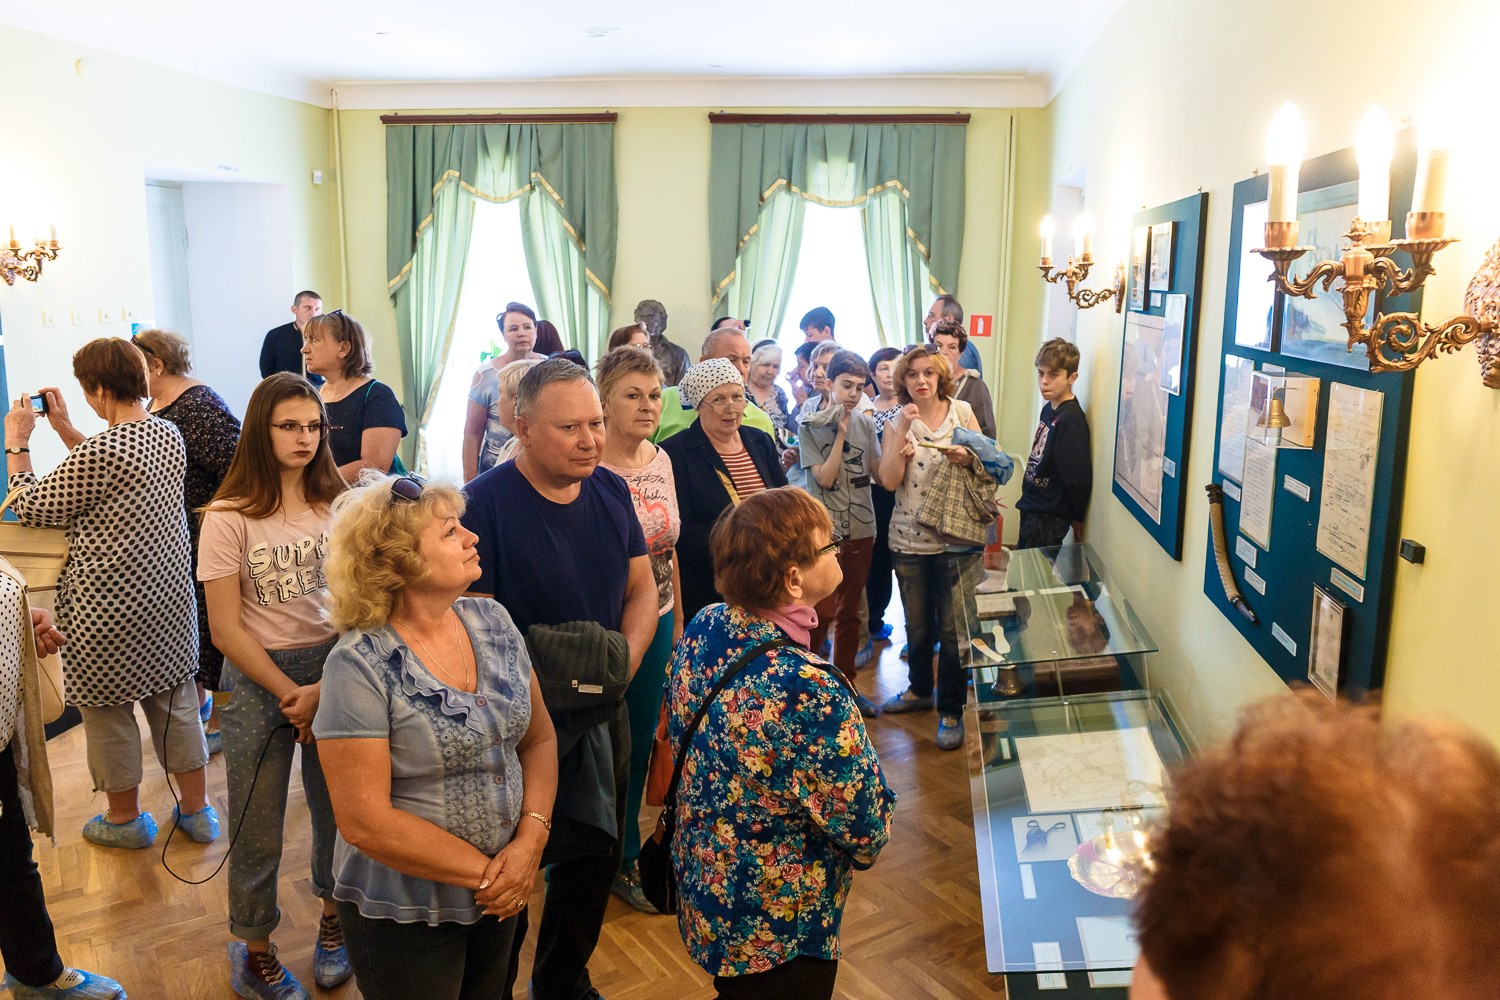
(301, 49)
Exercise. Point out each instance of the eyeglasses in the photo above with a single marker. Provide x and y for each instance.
(833, 546)
(292, 427)
(142, 347)
(727, 405)
(407, 489)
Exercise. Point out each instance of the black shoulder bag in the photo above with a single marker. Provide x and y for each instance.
(658, 879)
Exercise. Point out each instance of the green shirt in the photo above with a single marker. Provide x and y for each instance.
(677, 417)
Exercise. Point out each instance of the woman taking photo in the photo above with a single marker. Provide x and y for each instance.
(265, 535)
(484, 428)
(366, 423)
(440, 755)
(781, 795)
(717, 463)
(937, 578)
(886, 406)
(761, 387)
(629, 382)
(125, 597)
(209, 431)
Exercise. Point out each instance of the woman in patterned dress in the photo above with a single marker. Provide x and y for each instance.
(440, 756)
(209, 430)
(125, 597)
(782, 795)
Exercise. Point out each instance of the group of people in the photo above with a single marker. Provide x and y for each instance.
(475, 678)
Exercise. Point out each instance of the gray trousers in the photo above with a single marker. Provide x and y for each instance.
(252, 724)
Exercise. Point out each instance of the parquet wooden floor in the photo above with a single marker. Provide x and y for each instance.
(912, 928)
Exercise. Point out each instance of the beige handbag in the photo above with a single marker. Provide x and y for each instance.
(35, 557)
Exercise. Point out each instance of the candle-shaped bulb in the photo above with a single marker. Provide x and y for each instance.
(1434, 142)
(1048, 229)
(1284, 147)
(52, 234)
(1373, 151)
(1083, 235)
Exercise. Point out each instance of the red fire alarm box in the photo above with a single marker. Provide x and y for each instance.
(981, 325)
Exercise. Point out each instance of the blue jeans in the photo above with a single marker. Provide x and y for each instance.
(939, 588)
(252, 725)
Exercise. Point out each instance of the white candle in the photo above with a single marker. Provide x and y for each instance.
(1433, 149)
(12, 234)
(1374, 155)
(1284, 151)
(52, 233)
(1083, 235)
(1048, 228)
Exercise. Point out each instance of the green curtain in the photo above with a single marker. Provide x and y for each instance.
(426, 307)
(899, 279)
(767, 264)
(838, 165)
(565, 293)
(432, 174)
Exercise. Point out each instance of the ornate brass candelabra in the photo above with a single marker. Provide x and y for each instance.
(1076, 273)
(1398, 341)
(28, 265)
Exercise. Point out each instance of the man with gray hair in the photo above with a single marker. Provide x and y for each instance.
(722, 342)
(559, 542)
(652, 316)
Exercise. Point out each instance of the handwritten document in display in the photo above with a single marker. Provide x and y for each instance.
(1234, 411)
(1072, 771)
(1259, 488)
(1349, 476)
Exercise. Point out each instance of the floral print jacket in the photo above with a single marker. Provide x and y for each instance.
(782, 796)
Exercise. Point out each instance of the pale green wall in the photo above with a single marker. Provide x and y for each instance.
(1174, 98)
(661, 162)
(78, 150)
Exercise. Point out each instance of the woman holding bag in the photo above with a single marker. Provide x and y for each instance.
(781, 795)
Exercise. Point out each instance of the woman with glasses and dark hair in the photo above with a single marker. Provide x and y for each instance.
(485, 433)
(781, 795)
(441, 757)
(716, 464)
(366, 422)
(209, 430)
(265, 537)
(125, 597)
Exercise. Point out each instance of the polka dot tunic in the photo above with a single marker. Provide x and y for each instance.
(125, 598)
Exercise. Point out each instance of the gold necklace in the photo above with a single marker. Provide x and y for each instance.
(460, 682)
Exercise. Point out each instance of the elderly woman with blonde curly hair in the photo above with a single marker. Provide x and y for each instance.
(439, 754)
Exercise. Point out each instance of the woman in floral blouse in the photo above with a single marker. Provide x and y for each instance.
(782, 795)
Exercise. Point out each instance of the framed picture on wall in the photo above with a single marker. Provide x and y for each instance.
(1255, 303)
(1313, 328)
(1161, 256)
(1174, 315)
(1325, 649)
(1139, 249)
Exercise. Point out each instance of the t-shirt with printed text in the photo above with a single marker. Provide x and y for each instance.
(279, 562)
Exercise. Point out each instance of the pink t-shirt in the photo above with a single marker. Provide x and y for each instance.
(279, 562)
(653, 490)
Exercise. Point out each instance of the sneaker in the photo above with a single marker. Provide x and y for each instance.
(215, 741)
(865, 656)
(137, 834)
(206, 710)
(867, 708)
(627, 886)
(202, 826)
(330, 957)
(881, 632)
(73, 984)
(261, 976)
(907, 701)
(950, 732)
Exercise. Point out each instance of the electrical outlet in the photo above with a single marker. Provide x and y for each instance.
(77, 317)
(49, 317)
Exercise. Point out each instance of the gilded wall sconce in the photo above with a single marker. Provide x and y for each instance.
(1078, 267)
(15, 263)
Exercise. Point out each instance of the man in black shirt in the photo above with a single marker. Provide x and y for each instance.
(282, 350)
(1060, 470)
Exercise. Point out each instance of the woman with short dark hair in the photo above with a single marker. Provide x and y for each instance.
(366, 422)
(781, 795)
(485, 433)
(125, 597)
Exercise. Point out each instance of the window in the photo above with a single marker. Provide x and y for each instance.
(494, 273)
(832, 271)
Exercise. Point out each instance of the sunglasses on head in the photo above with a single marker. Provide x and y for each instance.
(141, 347)
(407, 489)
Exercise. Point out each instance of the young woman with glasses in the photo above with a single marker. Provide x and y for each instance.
(264, 539)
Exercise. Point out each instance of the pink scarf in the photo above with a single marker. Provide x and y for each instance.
(797, 620)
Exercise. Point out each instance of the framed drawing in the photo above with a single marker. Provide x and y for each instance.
(1313, 328)
(1161, 257)
(1325, 647)
(1156, 369)
(1139, 244)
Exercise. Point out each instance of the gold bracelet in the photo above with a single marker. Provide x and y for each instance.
(539, 818)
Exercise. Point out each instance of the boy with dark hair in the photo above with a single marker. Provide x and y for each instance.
(1060, 471)
(840, 451)
(952, 340)
(817, 324)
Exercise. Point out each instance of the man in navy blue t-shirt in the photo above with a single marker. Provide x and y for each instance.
(559, 541)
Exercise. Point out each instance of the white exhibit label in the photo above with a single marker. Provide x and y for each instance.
(1169, 467)
(1245, 550)
(1231, 491)
(1347, 584)
(1255, 582)
(1297, 488)
(1028, 883)
(1284, 639)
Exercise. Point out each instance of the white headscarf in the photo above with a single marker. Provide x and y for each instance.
(706, 376)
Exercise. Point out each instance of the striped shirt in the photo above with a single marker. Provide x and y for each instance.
(742, 471)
